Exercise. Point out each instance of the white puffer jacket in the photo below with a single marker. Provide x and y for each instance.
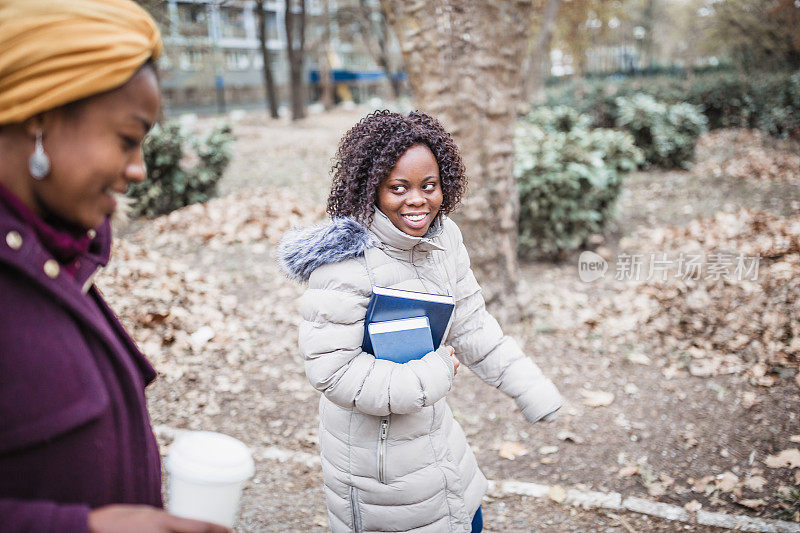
(393, 457)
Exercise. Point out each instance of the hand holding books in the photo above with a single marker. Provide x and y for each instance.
(456, 362)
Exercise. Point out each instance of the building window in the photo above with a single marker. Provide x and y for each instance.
(232, 22)
(191, 60)
(272, 25)
(192, 20)
(237, 60)
(164, 62)
(274, 61)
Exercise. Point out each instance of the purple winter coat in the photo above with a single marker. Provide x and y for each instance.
(74, 429)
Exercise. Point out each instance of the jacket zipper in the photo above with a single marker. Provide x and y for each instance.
(354, 509)
(382, 450)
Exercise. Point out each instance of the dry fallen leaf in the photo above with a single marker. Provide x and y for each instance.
(749, 399)
(752, 504)
(548, 450)
(638, 358)
(656, 489)
(785, 459)
(569, 435)
(628, 471)
(727, 481)
(671, 372)
(596, 398)
(557, 494)
(630, 388)
(767, 381)
(693, 506)
(202, 335)
(704, 367)
(701, 485)
(755, 483)
(689, 437)
(512, 450)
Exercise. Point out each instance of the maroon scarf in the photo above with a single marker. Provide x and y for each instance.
(64, 241)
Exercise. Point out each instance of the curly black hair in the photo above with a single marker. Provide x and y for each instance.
(369, 151)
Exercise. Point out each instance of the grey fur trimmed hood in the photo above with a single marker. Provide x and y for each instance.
(301, 251)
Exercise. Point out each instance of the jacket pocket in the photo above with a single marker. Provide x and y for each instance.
(356, 513)
(383, 437)
(49, 384)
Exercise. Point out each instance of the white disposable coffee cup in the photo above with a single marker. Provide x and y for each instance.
(207, 471)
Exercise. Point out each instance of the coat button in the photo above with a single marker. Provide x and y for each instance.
(51, 268)
(14, 240)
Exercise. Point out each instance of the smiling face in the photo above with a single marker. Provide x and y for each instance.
(412, 193)
(95, 149)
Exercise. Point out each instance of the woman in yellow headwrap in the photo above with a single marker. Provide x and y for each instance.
(78, 94)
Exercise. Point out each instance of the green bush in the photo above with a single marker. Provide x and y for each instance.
(559, 118)
(592, 98)
(182, 168)
(727, 101)
(784, 121)
(598, 98)
(666, 133)
(767, 101)
(778, 108)
(568, 181)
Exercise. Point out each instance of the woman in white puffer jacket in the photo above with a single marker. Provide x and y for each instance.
(393, 457)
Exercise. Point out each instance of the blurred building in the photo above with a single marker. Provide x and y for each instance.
(212, 52)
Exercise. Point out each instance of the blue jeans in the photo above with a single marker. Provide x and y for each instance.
(477, 521)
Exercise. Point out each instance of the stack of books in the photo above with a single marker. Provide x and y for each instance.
(401, 325)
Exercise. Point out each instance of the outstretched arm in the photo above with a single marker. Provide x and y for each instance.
(496, 358)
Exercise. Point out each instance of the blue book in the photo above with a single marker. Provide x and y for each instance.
(393, 304)
(401, 340)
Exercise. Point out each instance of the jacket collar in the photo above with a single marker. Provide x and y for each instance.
(389, 236)
(80, 253)
(64, 241)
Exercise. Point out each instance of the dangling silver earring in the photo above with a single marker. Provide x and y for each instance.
(39, 162)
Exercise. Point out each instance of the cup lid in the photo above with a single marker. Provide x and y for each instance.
(209, 457)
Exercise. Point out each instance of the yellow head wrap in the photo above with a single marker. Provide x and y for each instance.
(53, 52)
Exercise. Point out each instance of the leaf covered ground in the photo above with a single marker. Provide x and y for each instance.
(683, 391)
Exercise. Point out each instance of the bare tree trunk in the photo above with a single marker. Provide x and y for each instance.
(386, 55)
(532, 75)
(269, 81)
(295, 49)
(376, 38)
(464, 66)
(325, 83)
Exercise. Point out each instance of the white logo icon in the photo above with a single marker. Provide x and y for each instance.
(591, 266)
